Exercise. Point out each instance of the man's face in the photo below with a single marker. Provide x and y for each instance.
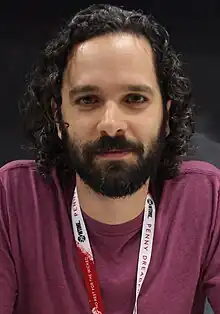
(112, 103)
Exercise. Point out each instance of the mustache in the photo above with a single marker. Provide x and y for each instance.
(106, 144)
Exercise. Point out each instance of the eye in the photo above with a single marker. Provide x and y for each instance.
(88, 100)
(135, 99)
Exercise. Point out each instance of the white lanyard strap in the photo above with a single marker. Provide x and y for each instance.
(146, 245)
(87, 259)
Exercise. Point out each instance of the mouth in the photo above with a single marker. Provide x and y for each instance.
(114, 154)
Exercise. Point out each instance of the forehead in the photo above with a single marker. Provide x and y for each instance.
(123, 58)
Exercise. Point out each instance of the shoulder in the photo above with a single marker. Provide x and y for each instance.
(17, 171)
(199, 168)
(23, 188)
(22, 176)
(196, 189)
(198, 182)
(198, 177)
(17, 165)
(195, 193)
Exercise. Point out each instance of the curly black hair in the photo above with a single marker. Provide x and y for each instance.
(45, 84)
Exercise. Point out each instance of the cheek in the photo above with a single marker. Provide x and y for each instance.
(80, 129)
(78, 123)
(149, 124)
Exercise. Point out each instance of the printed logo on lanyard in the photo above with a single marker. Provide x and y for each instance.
(86, 258)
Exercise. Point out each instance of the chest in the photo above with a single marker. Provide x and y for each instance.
(50, 276)
(50, 279)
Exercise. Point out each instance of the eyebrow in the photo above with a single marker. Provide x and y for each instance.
(140, 88)
(80, 89)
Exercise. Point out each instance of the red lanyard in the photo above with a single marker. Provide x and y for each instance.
(87, 260)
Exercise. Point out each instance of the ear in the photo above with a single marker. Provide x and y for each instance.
(54, 109)
(168, 106)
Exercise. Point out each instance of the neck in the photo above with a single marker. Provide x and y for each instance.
(108, 210)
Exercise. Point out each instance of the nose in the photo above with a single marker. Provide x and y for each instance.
(112, 122)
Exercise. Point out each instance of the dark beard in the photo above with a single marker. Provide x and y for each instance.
(114, 178)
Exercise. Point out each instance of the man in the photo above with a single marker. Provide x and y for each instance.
(106, 219)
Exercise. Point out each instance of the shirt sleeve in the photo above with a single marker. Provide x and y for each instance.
(211, 278)
(8, 282)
